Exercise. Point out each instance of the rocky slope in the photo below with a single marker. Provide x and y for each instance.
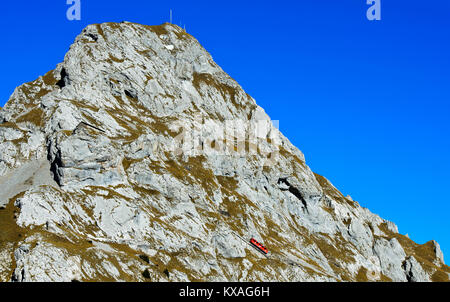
(115, 166)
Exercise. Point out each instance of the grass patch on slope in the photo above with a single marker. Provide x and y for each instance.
(331, 191)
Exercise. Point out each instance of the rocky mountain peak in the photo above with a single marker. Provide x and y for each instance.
(139, 159)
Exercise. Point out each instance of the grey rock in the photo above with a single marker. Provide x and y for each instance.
(438, 253)
(414, 271)
(391, 255)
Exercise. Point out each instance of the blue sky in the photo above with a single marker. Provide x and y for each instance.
(366, 101)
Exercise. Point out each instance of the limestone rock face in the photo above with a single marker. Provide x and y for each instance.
(139, 153)
(414, 271)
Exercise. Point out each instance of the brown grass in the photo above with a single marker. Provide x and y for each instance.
(34, 116)
(193, 171)
(284, 153)
(114, 59)
(227, 92)
(362, 275)
(49, 78)
(332, 192)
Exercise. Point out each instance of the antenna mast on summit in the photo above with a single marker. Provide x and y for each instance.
(170, 16)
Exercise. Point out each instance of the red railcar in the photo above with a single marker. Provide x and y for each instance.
(259, 246)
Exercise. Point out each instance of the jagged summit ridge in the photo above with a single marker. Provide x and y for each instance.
(96, 183)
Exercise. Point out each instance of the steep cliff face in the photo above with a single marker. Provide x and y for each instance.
(139, 159)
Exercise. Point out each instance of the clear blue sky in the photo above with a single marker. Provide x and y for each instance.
(367, 102)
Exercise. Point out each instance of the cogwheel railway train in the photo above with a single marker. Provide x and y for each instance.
(259, 246)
